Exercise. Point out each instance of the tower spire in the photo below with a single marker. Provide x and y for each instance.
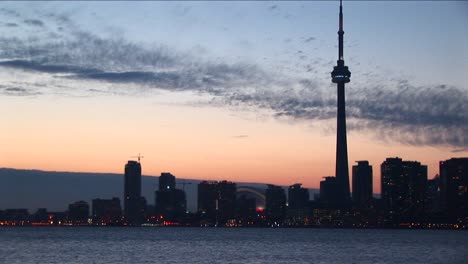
(340, 35)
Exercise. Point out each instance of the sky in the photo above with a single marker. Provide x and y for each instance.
(236, 91)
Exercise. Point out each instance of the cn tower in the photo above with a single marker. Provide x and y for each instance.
(340, 76)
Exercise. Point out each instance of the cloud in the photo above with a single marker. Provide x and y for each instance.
(49, 68)
(17, 91)
(273, 7)
(240, 136)
(34, 22)
(11, 25)
(434, 115)
(431, 115)
(9, 12)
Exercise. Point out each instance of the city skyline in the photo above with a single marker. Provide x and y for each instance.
(89, 89)
(408, 200)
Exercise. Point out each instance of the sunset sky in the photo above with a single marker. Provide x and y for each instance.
(230, 90)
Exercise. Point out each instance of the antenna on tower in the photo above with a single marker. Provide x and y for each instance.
(139, 157)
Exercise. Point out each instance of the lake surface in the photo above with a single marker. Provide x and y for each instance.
(229, 245)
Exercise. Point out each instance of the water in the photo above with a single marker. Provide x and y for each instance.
(229, 245)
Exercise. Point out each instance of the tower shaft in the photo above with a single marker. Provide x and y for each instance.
(341, 172)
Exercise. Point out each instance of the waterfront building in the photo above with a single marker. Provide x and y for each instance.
(134, 204)
(170, 203)
(362, 185)
(275, 205)
(404, 188)
(298, 204)
(454, 187)
(216, 202)
(328, 193)
(106, 211)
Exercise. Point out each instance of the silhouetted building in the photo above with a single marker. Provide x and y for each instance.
(404, 188)
(226, 201)
(106, 211)
(245, 210)
(298, 197)
(19, 216)
(78, 212)
(216, 202)
(134, 204)
(362, 184)
(207, 201)
(328, 193)
(41, 216)
(170, 202)
(454, 186)
(275, 205)
(298, 204)
(433, 195)
(340, 76)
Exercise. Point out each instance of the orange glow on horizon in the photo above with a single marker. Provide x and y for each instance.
(95, 135)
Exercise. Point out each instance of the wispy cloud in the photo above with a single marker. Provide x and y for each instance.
(240, 136)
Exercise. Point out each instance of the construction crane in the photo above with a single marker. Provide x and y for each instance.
(139, 157)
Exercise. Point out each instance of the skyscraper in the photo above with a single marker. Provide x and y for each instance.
(328, 191)
(171, 203)
(207, 201)
(275, 204)
(362, 184)
(454, 186)
(340, 76)
(404, 185)
(133, 202)
(298, 197)
(216, 202)
(298, 203)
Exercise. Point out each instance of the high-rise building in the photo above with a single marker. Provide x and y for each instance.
(134, 204)
(170, 202)
(341, 75)
(404, 187)
(216, 202)
(106, 211)
(207, 201)
(298, 197)
(362, 184)
(226, 201)
(298, 204)
(328, 191)
(275, 204)
(454, 186)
